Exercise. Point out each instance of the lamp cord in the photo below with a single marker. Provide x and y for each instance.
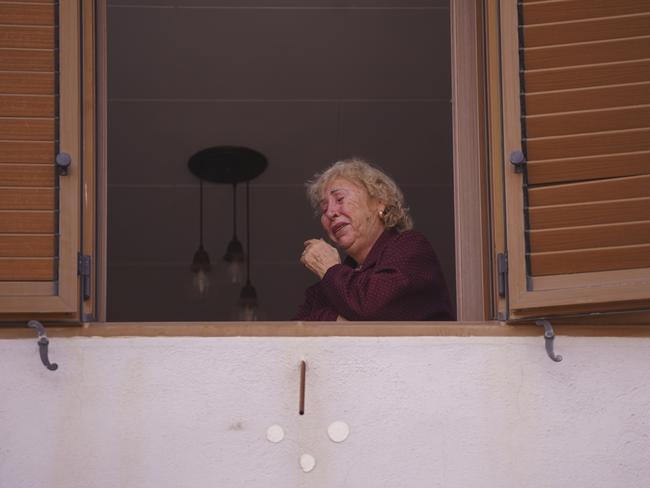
(248, 235)
(201, 212)
(234, 211)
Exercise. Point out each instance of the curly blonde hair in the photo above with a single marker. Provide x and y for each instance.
(377, 183)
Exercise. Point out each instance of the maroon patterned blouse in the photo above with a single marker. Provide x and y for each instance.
(400, 279)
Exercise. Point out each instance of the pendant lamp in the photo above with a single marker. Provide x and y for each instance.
(230, 165)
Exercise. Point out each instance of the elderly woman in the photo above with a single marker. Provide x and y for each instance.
(390, 273)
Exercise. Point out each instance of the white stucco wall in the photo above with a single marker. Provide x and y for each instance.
(423, 412)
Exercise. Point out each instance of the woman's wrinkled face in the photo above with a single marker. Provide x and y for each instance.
(350, 217)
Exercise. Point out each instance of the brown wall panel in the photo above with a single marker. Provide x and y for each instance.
(27, 198)
(588, 98)
(592, 53)
(584, 261)
(26, 175)
(557, 216)
(586, 76)
(591, 191)
(27, 83)
(14, 129)
(589, 121)
(27, 152)
(585, 237)
(21, 60)
(27, 37)
(585, 31)
(25, 269)
(588, 168)
(546, 12)
(27, 105)
(27, 246)
(588, 144)
(30, 222)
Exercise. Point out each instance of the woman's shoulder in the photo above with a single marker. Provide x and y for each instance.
(409, 241)
(411, 236)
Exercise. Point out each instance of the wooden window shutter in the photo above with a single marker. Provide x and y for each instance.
(576, 102)
(39, 118)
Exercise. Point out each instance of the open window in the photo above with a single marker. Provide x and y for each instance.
(576, 156)
(304, 87)
(568, 87)
(48, 100)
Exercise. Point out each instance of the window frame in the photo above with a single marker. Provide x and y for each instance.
(471, 232)
(473, 239)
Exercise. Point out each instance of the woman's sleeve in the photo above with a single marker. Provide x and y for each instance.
(315, 307)
(405, 284)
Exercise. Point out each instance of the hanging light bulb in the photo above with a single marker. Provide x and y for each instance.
(248, 305)
(200, 269)
(235, 251)
(235, 258)
(201, 282)
(201, 261)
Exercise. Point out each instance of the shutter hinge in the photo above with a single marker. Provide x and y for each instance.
(83, 270)
(502, 270)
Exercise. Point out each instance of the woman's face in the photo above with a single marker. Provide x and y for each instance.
(350, 217)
